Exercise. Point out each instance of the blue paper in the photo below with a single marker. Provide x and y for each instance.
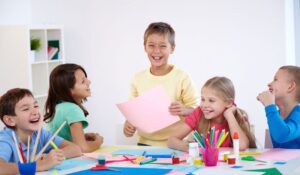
(162, 153)
(181, 168)
(129, 152)
(280, 163)
(157, 153)
(72, 163)
(125, 171)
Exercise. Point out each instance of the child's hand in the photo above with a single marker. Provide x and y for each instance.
(176, 109)
(266, 98)
(129, 129)
(99, 139)
(230, 111)
(53, 158)
(90, 136)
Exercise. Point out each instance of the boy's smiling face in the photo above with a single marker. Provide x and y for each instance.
(280, 84)
(27, 118)
(158, 49)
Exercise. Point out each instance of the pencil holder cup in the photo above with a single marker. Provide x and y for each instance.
(210, 156)
(27, 168)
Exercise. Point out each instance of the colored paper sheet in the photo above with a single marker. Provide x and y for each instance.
(279, 154)
(224, 171)
(150, 111)
(125, 171)
(156, 152)
(268, 171)
(72, 163)
(130, 152)
(179, 168)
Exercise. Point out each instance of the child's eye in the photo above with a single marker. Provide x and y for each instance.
(211, 101)
(25, 109)
(163, 46)
(36, 106)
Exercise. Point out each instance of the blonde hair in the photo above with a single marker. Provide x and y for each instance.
(225, 89)
(294, 71)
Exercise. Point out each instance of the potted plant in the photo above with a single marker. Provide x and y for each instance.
(35, 45)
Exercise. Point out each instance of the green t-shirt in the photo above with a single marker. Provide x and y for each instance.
(69, 112)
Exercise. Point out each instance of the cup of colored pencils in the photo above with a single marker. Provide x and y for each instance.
(210, 145)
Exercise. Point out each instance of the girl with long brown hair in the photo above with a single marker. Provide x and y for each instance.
(68, 89)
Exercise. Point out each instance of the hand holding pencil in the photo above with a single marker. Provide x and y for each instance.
(53, 158)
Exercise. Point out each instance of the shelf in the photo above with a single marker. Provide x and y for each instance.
(31, 72)
(47, 62)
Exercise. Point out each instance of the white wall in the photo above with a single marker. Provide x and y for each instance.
(244, 40)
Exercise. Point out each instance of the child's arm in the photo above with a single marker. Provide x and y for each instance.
(235, 127)
(177, 109)
(80, 140)
(280, 130)
(53, 158)
(180, 131)
(8, 168)
(70, 149)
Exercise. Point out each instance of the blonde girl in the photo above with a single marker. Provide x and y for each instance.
(217, 109)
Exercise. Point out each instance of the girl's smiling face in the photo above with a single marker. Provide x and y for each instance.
(212, 104)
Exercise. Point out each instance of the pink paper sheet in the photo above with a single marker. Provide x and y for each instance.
(149, 112)
(279, 154)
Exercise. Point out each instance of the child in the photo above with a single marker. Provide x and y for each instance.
(284, 121)
(217, 109)
(69, 87)
(159, 43)
(20, 113)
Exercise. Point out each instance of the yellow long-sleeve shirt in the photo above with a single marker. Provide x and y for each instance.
(179, 87)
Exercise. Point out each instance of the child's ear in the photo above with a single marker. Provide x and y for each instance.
(173, 48)
(9, 120)
(229, 103)
(292, 86)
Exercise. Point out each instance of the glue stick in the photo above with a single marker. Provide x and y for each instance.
(236, 145)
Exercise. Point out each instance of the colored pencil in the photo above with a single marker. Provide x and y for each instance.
(22, 152)
(17, 147)
(51, 139)
(36, 144)
(127, 158)
(28, 150)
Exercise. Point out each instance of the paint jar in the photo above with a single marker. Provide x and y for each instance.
(231, 159)
(101, 160)
(27, 168)
(193, 149)
(210, 156)
(198, 161)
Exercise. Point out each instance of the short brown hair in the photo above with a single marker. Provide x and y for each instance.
(160, 28)
(294, 71)
(9, 100)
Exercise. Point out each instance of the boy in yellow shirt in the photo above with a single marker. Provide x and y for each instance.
(159, 44)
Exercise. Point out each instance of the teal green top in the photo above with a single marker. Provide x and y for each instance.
(69, 112)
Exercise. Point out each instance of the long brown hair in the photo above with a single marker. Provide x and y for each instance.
(225, 89)
(62, 80)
